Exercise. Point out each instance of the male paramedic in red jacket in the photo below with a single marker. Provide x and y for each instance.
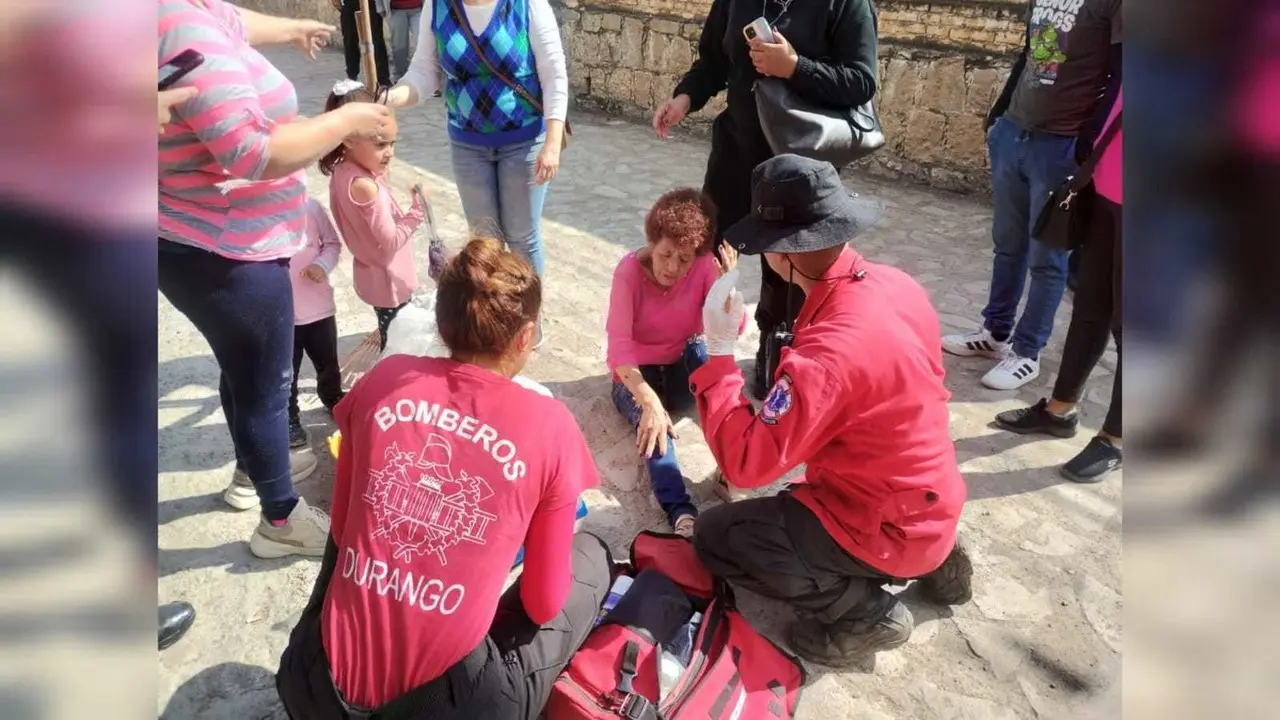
(858, 398)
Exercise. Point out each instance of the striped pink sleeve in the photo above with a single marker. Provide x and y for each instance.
(227, 115)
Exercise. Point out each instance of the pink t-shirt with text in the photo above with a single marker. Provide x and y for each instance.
(445, 470)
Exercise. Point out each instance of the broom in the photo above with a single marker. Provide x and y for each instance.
(364, 31)
(359, 360)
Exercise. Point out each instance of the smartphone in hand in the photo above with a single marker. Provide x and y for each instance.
(758, 28)
(178, 68)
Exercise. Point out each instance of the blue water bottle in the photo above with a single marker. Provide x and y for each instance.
(577, 525)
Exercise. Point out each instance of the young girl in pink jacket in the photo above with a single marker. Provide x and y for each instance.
(376, 230)
(315, 329)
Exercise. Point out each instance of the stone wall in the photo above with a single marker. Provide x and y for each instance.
(942, 62)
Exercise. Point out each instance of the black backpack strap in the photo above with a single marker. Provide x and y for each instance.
(634, 706)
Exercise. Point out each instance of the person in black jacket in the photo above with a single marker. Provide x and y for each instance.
(827, 52)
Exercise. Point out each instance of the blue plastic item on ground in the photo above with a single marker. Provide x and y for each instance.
(582, 512)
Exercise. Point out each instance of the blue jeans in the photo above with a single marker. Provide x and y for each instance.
(1026, 165)
(499, 196)
(404, 23)
(244, 310)
(671, 382)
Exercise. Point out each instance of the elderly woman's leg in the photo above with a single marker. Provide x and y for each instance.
(663, 470)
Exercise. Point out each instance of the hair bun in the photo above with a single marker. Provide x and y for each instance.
(486, 295)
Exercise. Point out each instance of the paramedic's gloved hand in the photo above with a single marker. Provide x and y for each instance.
(722, 315)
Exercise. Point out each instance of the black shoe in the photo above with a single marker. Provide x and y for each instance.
(846, 643)
(952, 582)
(175, 619)
(1038, 419)
(1094, 462)
(297, 435)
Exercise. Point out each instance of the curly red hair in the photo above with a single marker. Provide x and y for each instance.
(686, 217)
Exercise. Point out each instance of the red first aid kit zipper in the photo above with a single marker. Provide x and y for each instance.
(603, 702)
(714, 615)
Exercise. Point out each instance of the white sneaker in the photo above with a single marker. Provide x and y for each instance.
(1012, 373)
(306, 533)
(976, 343)
(242, 495)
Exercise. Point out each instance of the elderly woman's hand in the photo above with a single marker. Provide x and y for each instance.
(727, 260)
(776, 59)
(654, 428)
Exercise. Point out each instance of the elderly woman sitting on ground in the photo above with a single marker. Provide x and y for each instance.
(654, 334)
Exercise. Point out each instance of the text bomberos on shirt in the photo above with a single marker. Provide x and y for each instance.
(502, 451)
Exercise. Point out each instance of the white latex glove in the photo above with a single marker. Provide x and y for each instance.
(722, 315)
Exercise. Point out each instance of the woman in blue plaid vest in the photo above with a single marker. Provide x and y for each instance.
(506, 92)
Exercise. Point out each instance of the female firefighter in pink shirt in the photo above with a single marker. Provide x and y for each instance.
(447, 466)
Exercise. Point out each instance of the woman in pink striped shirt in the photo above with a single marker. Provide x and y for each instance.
(654, 335)
(231, 214)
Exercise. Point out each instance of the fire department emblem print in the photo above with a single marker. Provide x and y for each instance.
(422, 507)
(778, 402)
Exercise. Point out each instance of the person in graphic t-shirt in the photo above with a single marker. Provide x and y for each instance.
(447, 466)
(1053, 97)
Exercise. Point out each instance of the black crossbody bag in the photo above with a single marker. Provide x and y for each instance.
(1061, 222)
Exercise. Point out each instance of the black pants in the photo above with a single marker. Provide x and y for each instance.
(777, 547)
(507, 677)
(319, 340)
(385, 316)
(101, 284)
(737, 146)
(351, 42)
(1096, 311)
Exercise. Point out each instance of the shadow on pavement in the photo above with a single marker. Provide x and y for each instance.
(230, 691)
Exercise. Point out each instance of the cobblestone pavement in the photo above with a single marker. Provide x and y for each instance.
(1041, 638)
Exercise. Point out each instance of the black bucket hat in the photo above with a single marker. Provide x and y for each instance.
(799, 205)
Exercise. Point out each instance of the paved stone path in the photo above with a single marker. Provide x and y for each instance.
(1041, 638)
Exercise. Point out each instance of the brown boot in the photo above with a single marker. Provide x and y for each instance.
(845, 643)
(952, 582)
(724, 491)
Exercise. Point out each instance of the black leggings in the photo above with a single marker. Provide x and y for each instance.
(1096, 313)
(385, 316)
(351, 42)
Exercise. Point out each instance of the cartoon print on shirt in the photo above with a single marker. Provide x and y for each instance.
(1051, 22)
(422, 507)
(778, 402)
